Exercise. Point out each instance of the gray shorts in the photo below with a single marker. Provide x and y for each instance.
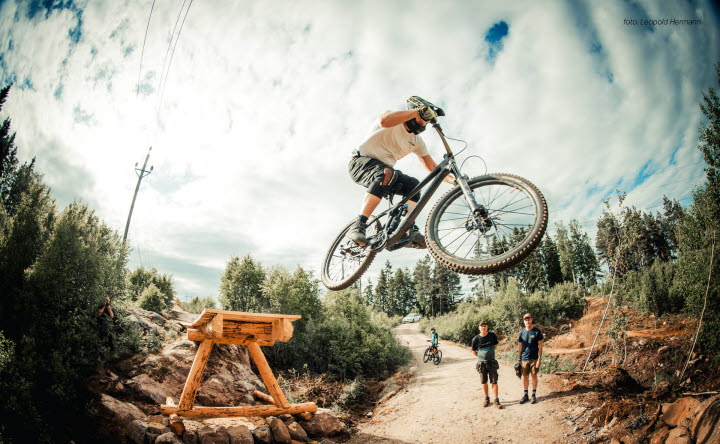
(488, 370)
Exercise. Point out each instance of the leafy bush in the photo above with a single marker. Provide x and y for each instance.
(563, 301)
(152, 299)
(650, 290)
(198, 304)
(140, 279)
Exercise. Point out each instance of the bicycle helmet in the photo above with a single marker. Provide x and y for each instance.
(414, 102)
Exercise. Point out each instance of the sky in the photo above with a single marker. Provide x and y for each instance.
(252, 109)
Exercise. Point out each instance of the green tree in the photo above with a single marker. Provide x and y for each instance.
(584, 261)
(422, 277)
(402, 293)
(141, 279)
(382, 289)
(198, 304)
(446, 289)
(152, 299)
(241, 286)
(550, 262)
(368, 294)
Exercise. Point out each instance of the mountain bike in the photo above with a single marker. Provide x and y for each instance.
(483, 225)
(432, 353)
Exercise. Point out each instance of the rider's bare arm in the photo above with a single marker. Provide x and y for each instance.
(430, 165)
(388, 120)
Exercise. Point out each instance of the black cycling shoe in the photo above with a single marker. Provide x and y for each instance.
(357, 234)
(524, 399)
(417, 240)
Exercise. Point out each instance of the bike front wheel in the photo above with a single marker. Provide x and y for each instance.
(517, 219)
(345, 261)
(438, 357)
(426, 356)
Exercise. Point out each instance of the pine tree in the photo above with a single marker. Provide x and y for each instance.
(422, 277)
(382, 289)
(551, 262)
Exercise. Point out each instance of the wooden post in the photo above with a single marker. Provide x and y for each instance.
(196, 371)
(267, 376)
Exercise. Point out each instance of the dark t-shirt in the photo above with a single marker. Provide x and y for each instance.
(529, 340)
(485, 346)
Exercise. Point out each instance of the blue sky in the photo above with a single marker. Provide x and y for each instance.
(264, 101)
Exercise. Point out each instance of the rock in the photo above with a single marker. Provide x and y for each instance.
(663, 349)
(280, 432)
(297, 433)
(162, 419)
(136, 431)
(155, 429)
(706, 423)
(168, 438)
(262, 435)
(323, 424)
(209, 435)
(615, 441)
(149, 388)
(679, 435)
(286, 418)
(240, 434)
(659, 435)
(327, 441)
(679, 411)
(121, 411)
(603, 433)
(190, 437)
(176, 424)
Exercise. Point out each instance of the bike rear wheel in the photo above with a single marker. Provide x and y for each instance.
(518, 214)
(426, 356)
(345, 261)
(438, 357)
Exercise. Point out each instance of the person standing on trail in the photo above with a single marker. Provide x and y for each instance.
(530, 347)
(394, 135)
(483, 346)
(433, 338)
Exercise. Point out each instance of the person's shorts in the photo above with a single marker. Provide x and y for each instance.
(488, 370)
(529, 367)
(367, 171)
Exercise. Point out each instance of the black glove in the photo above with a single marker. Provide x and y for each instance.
(427, 114)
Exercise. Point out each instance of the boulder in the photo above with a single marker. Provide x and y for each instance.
(323, 424)
(155, 429)
(148, 388)
(705, 426)
(190, 437)
(210, 435)
(136, 431)
(168, 438)
(679, 435)
(659, 435)
(262, 435)
(119, 410)
(177, 424)
(677, 412)
(279, 431)
(297, 433)
(240, 434)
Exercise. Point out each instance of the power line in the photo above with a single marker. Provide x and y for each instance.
(142, 53)
(167, 51)
(167, 74)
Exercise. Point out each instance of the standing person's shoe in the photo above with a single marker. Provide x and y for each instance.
(357, 234)
(487, 402)
(533, 400)
(497, 404)
(417, 240)
(524, 399)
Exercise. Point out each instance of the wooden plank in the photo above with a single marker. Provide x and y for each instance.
(267, 375)
(248, 328)
(196, 371)
(217, 326)
(261, 396)
(209, 313)
(198, 336)
(226, 412)
(282, 330)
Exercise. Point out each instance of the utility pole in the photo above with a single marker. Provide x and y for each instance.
(140, 173)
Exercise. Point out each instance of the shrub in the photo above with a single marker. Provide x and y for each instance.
(152, 299)
(197, 304)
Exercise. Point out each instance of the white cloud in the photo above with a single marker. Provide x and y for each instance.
(265, 100)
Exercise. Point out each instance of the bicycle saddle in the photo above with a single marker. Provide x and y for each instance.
(419, 102)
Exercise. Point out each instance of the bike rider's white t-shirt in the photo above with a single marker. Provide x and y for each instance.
(388, 145)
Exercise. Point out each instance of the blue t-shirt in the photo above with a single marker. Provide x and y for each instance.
(530, 340)
(434, 339)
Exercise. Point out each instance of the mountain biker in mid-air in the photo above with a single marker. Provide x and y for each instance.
(394, 135)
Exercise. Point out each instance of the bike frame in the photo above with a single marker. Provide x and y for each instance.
(435, 178)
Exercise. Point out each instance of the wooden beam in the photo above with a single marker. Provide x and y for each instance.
(282, 330)
(209, 313)
(217, 326)
(267, 375)
(196, 371)
(225, 412)
(198, 336)
(259, 395)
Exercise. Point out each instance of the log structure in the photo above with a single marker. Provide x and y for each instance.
(251, 330)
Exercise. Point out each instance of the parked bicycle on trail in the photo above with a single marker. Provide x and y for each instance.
(482, 225)
(432, 353)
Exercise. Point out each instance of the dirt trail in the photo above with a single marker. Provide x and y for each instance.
(443, 404)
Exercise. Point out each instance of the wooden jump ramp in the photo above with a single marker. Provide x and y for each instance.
(251, 330)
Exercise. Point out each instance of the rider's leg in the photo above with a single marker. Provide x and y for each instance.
(369, 203)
